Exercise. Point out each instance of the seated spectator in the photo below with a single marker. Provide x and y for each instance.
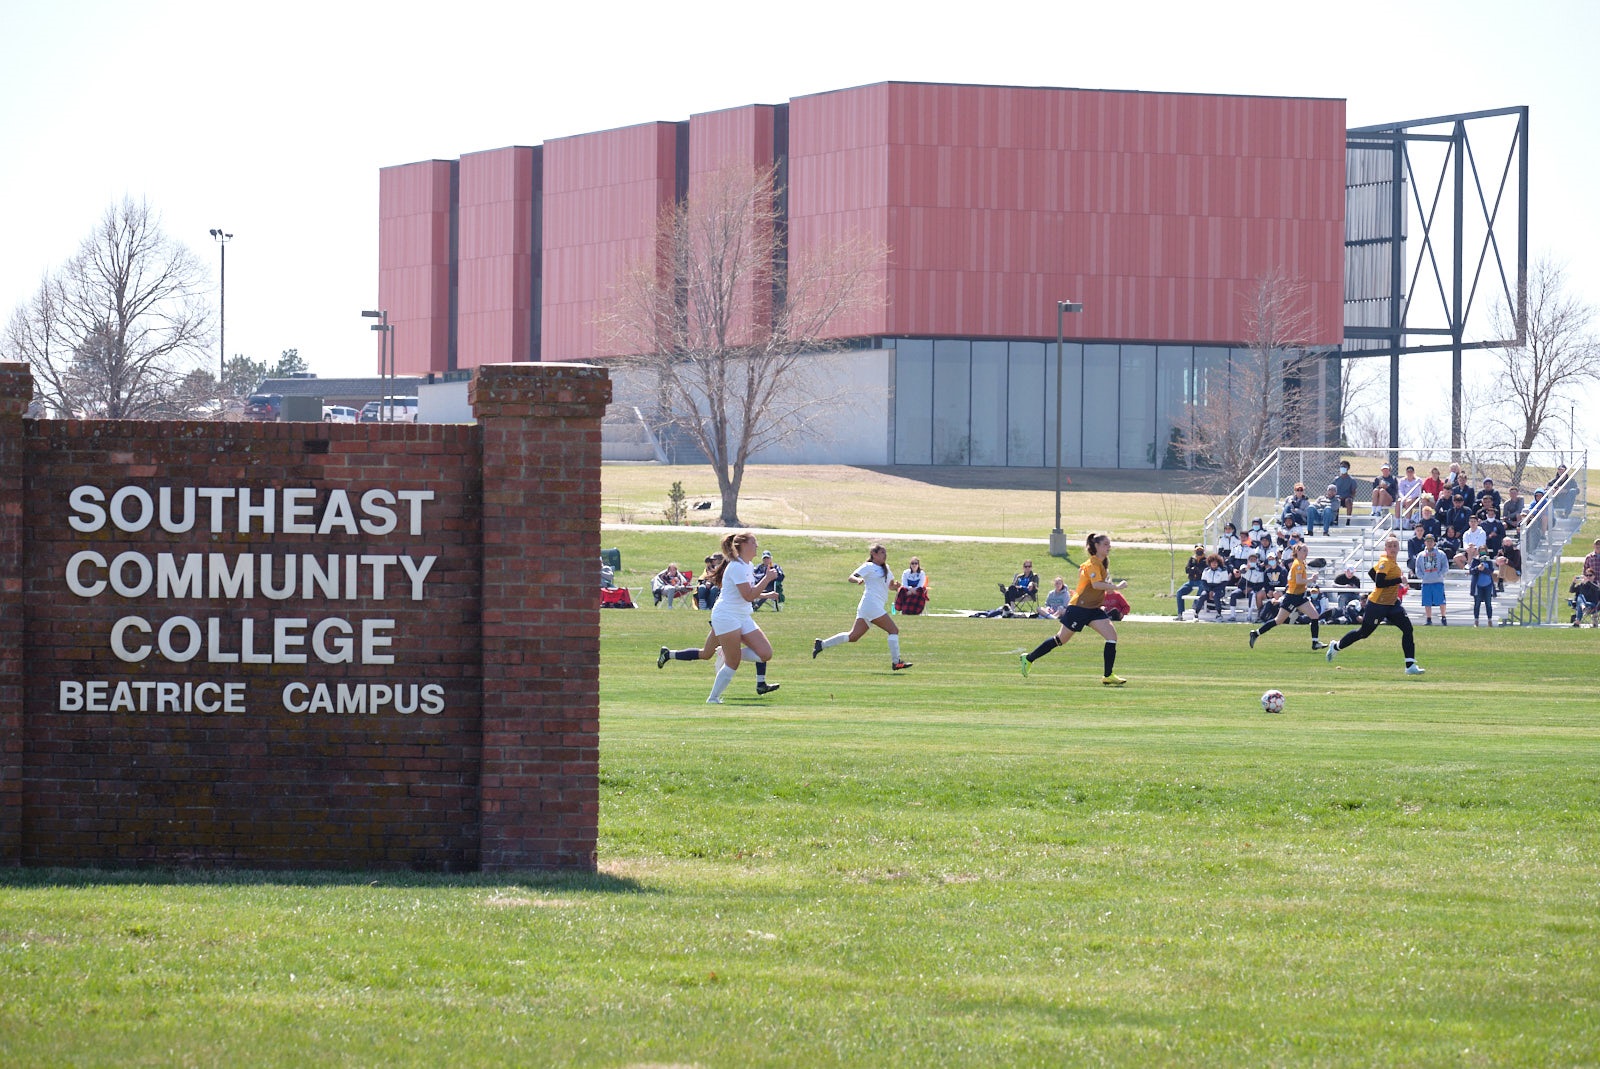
(1586, 599)
(1024, 586)
(1293, 530)
(1511, 511)
(1384, 489)
(775, 591)
(912, 596)
(1566, 492)
(1296, 507)
(1418, 541)
(1324, 511)
(1494, 531)
(1115, 605)
(1408, 500)
(706, 592)
(1277, 571)
(1192, 568)
(1473, 543)
(670, 583)
(1216, 577)
(1461, 486)
(1348, 577)
(1433, 486)
(1591, 563)
(1508, 565)
(1055, 602)
(1252, 584)
(1454, 520)
(1536, 520)
(1344, 484)
(1429, 518)
(1257, 537)
(608, 578)
(1488, 497)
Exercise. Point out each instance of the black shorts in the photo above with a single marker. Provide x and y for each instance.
(1076, 617)
(1385, 614)
(1291, 602)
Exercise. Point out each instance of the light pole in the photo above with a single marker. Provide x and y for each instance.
(222, 240)
(385, 359)
(1058, 537)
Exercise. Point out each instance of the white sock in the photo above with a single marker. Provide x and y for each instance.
(894, 647)
(720, 684)
(843, 636)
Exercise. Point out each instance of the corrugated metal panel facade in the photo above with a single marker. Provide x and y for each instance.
(414, 263)
(738, 140)
(603, 198)
(495, 287)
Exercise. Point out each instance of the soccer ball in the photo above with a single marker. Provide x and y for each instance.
(1272, 701)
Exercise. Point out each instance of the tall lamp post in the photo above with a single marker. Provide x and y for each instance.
(222, 240)
(1058, 537)
(385, 359)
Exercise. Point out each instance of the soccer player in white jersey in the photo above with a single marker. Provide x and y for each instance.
(876, 582)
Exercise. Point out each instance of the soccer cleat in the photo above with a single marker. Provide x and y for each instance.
(1253, 636)
(898, 665)
(1333, 648)
(1023, 658)
(1414, 669)
(1112, 681)
(666, 655)
(1315, 645)
(816, 648)
(713, 701)
(763, 687)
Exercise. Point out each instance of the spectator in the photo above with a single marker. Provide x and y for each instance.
(1384, 490)
(1277, 571)
(1216, 578)
(1454, 520)
(912, 597)
(608, 578)
(1488, 498)
(1055, 602)
(1408, 501)
(1433, 486)
(1473, 543)
(1508, 566)
(1345, 485)
(1461, 486)
(1252, 586)
(1228, 545)
(1192, 569)
(1536, 520)
(707, 590)
(1324, 510)
(1511, 512)
(1430, 567)
(1494, 531)
(1429, 518)
(1418, 541)
(1586, 599)
(671, 584)
(1296, 508)
(1024, 585)
(774, 593)
(1565, 493)
(1257, 537)
(1480, 579)
(1591, 563)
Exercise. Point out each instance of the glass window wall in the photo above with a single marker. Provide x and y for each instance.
(952, 402)
(989, 402)
(1100, 407)
(1136, 427)
(913, 402)
(1025, 391)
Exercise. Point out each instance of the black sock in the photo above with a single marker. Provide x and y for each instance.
(1314, 630)
(1110, 654)
(761, 671)
(1268, 626)
(1043, 648)
(686, 655)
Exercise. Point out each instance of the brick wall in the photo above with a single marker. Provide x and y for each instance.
(169, 696)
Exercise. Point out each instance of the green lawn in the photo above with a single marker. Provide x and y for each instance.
(945, 866)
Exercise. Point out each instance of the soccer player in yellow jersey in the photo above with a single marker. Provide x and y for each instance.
(1086, 608)
(1383, 606)
(1295, 599)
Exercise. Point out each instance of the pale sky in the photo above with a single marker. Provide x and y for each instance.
(271, 121)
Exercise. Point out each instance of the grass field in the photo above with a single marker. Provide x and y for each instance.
(945, 866)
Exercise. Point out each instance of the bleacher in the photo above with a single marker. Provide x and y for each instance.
(1537, 598)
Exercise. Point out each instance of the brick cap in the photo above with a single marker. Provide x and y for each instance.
(16, 381)
(562, 390)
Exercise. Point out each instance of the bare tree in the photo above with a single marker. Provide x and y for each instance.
(1539, 379)
(117, 330)
(730, 326)
(1241, 412)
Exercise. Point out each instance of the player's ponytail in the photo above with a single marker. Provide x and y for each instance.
(730, 551)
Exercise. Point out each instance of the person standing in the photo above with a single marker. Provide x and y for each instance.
(733, 625)
(1431, 567)
(1295, 600)
(1383, 607)
(1086, 610)
(1480, 576)
(876, 582)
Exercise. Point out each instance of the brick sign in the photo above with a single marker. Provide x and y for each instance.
(300, 644)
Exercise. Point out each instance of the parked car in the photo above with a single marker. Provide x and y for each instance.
(340, 414)
(264, 406)
(395, 409)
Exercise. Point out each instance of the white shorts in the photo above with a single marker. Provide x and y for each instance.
(870, 610)
(724, 625)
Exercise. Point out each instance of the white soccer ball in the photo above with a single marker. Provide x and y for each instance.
(1272, 701)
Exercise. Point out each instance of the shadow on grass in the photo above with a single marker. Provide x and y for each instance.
(575, 882)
